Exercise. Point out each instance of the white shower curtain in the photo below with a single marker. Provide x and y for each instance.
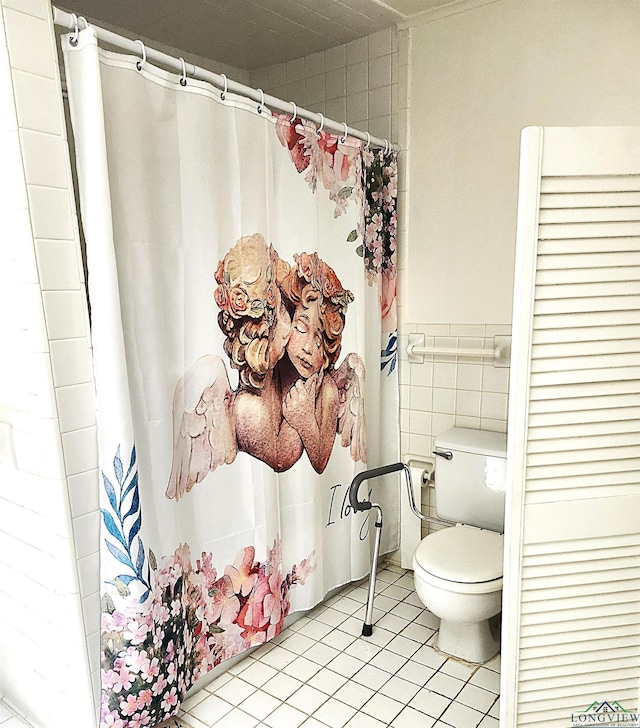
(241, 272)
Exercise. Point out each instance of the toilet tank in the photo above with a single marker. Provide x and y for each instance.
(470, 477)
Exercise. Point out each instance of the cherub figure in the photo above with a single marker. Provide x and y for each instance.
(313, 404)
(288, 400)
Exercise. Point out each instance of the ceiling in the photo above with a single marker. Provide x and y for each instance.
(248, 34)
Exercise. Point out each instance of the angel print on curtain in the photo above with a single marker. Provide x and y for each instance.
(242, 288)
(283, 327)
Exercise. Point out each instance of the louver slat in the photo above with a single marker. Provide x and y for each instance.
(579, 628)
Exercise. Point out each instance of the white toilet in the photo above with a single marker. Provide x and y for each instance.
(458, 570)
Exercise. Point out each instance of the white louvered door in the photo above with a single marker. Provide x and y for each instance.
(571, 629)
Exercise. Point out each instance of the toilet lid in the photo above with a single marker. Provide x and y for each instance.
(463, 554)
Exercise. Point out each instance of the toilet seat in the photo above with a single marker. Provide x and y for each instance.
(463, 558)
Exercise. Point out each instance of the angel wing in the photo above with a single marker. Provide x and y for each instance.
(203, 425)
(349, 378)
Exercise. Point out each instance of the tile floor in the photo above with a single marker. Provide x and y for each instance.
(321, 673)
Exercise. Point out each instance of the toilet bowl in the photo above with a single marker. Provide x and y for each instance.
(458, 577)
(458, 569)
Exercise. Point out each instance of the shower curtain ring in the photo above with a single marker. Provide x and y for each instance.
(343, 138)
(319, 129)
(386, 147)
(366, 147)
(223, 95)
(183, 79)
(76, 31)
(143, 60)
(294, 115)
(261, 104)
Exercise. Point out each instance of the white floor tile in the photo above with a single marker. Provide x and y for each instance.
(461, 716)
(190, 721)
(371, 676)
(285, 717)
(495, 709)
(399, 689)
(346, 665)
(393, 623)
(315, 630)
(411, 718)
(278, 658)
(445, 685)
(307, 699)
(347, 606)
(427, 619)
(258, 674)
(387, 576)
(321, 654)
(430, 703)
(327, 681)
(380, 636)
(362, 720)
(282, 686)
(388, 661)
(476, 698)
(489, 722)
(211, 709)
(260, 704)
(362, 649)
(456, 668)
(416, 673)
(302, 669)
(417, 632)
(339, 640)
(237, 719)
(334, 713)
(404, 646)
(352, 626)
(486, 679)
(396, 592)
(313, 723)
(235, 691)
(5, 713)
(382, 707)
(224, 678)
(354, 694)
(406, 611)
(332, 616)
(428, 656)
(298, 643)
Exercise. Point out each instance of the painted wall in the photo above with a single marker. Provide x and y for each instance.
(479, 77)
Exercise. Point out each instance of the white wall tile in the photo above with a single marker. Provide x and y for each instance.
(336, 109)
(357, 77)
(87, 531)
(37, 103)
(336, 83)
(64, 314)
(295, 70)
(314, 64)
(357, 109)
(29, 43)
(470, 377)
(380, 72)
(58, 265)
(71, 362)
(84, 493)
(494, 406)
(444, 375)
(357, 51)
(13, 191)
(80, 449)
(380, 43)
(46, 159)
(444, 400)
(89, 572)
(296, 92)
(314, 89)
(37, 8)
(51, 213)
(8, 119)
(335, 58)
(380, 101)
(76, 406)
(277, 75)
(380, 126)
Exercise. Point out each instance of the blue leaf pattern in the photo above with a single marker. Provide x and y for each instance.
(125, 528)
(389, 355)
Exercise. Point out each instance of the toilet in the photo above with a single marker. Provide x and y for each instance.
(458, 569)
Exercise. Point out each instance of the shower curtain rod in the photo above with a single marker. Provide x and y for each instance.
(70, 21)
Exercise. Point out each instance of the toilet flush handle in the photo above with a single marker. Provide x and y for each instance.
(446, 454)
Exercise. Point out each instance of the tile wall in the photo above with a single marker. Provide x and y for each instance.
(48, 534)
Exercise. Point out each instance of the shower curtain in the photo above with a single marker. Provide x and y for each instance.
(241, 274)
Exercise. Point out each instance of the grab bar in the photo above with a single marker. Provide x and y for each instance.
(500, 353)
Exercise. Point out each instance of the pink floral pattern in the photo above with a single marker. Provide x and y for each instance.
(193, 620)
(323, 157)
